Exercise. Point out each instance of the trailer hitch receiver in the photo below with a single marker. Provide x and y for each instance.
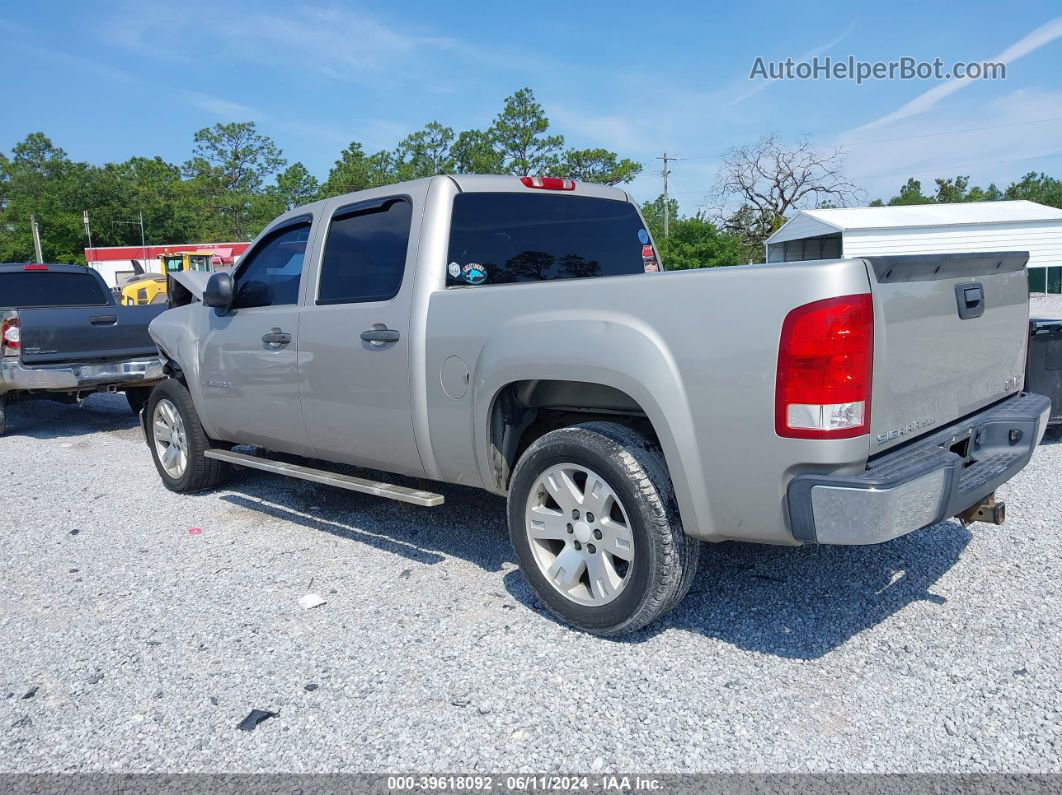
(988, 510)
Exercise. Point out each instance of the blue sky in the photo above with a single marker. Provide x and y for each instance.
(109, 79)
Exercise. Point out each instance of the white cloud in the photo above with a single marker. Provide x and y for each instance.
(1012, 134)
(1043, 35)
(763, 85)
(225, 109)
(621, 133)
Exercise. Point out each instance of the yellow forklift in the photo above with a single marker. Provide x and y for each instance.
(150, 288)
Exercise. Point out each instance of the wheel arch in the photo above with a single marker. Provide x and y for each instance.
(520, 410)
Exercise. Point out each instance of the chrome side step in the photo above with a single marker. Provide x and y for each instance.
(389, 490)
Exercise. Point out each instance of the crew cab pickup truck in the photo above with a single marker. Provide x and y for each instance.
(62, 336)
(517, 335)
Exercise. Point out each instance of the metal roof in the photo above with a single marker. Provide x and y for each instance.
(921, 215)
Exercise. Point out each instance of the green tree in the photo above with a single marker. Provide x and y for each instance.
(519, 134)
(40, 180)
(910, 193)
(950, 191)
(474, 152)
(426, 152)
(597, 165)
(693, 242)
(230, 165)
(653, 213)
(294, 187)
(1037, 188)
(354, 170)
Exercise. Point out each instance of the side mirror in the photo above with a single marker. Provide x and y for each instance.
(219, 292)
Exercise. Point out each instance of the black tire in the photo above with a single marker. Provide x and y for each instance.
(665, 560)
(137, 397)
(201, 472)
(3, 415)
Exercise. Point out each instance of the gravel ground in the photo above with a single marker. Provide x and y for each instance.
(140, 627)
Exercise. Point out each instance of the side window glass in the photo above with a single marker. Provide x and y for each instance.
(271, 276)
(365, 254)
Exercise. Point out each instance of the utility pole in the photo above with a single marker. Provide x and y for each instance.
(88, 229)
(667, 173)
(36, 237)
(143, 245)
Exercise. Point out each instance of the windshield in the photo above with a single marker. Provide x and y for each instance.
(199, 262)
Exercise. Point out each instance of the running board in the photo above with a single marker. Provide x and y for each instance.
(376, 488)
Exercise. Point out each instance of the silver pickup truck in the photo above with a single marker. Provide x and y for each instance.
(517, 335)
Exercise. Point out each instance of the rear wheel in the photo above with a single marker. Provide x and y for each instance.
(3, 414)
(594, 524)
(178, 441)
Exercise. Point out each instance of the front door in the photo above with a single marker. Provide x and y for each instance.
(354, 342)
(249, 365)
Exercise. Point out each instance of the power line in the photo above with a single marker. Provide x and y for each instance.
(923, 135)
(939, 169)
(953, 132)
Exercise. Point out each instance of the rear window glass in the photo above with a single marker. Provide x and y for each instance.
(50, 288)
(501, 238)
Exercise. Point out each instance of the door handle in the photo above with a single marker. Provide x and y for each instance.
(103, 320)
(971, 299)
(380, 335)
(276, 337)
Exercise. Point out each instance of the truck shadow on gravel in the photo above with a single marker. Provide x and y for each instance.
(798, 603)
(49, 419)
(801, 603)
(470, 525)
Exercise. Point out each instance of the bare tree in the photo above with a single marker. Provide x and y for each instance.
(773, 179)
(759, 184)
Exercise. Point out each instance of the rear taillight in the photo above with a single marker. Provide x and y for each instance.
(34, 267)
(548, 183)
(825, 368)
(10, 336)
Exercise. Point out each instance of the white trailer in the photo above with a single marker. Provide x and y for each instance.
(928, 229)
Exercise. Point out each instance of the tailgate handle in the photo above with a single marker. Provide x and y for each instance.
(103, 320)
(971, 300)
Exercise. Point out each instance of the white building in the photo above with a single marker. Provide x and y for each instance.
(928, 229)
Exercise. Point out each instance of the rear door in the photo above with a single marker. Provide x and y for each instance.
(951, 337)
(249, 356)
(354, 350)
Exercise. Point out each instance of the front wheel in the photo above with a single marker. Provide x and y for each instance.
(178, 441)
(593, 521)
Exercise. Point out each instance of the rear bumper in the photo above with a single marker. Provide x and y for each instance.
(72, 377)
(922, 483)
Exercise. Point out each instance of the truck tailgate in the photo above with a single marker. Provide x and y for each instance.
(76, 333)
(951, 337)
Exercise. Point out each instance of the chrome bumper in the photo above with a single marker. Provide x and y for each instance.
(72, 377)
(923, 482)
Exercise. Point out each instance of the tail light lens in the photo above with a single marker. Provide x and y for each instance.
(10, 336)
(548, 183)
(825, 369)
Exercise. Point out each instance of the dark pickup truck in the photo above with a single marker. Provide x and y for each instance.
(63, 337)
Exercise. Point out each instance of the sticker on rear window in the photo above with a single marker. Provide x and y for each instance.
(474, 273)
(454, 270)
(643, 236)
